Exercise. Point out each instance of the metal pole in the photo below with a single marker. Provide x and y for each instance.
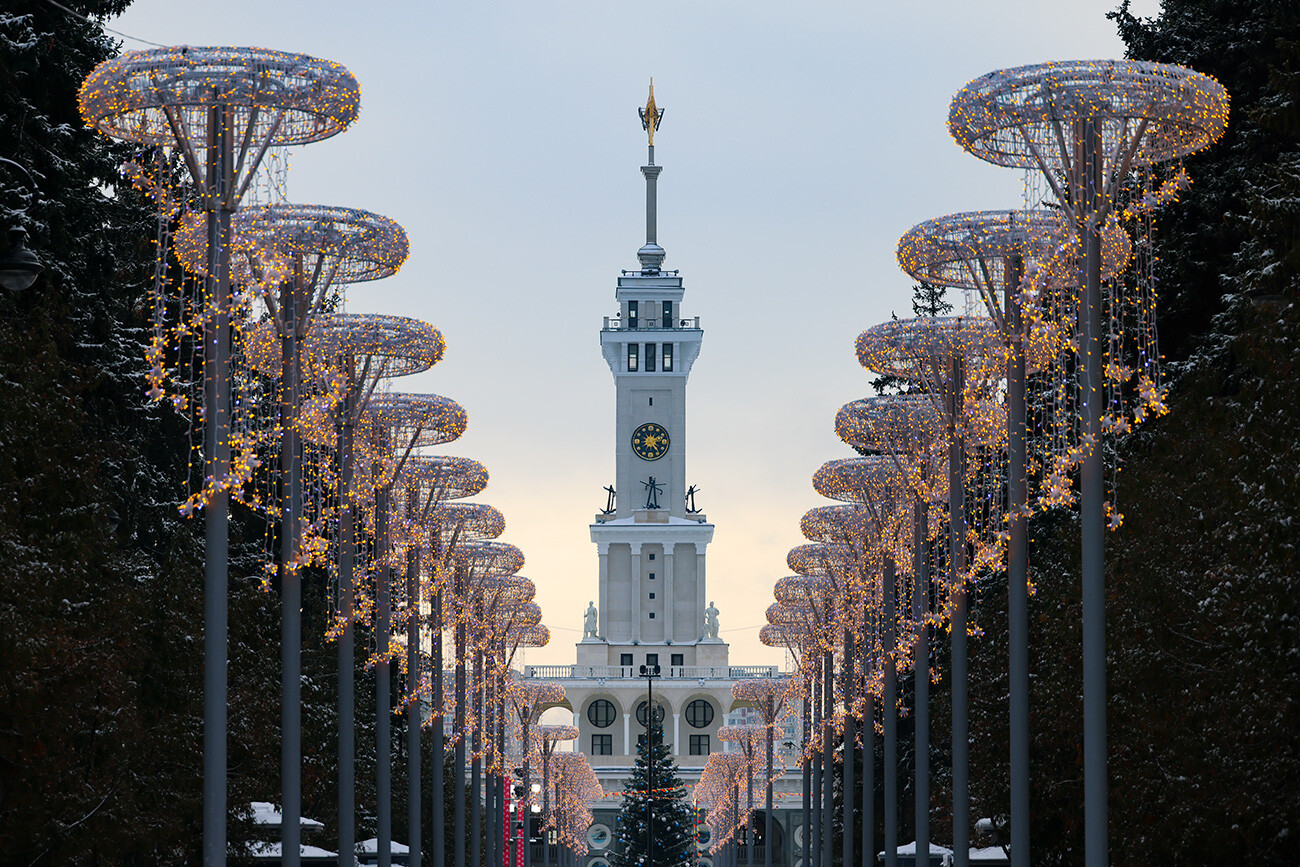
(383, 714)
(734, 857)
(850, 748)
(504, 835)
(493, 777)
(347, 544)
(437, 828)
(957, 589)
(889, 713)
(216, 518)
(815, 840)
(809, 852)
(290, 577)
(1092, 515)
(650, 672)
(1017, 568)
(458, 729)
(752, 855)
(768, 840)
(828, 758)
(528, 787)
(868, 742)
(476, 768)
(413, 720)
(921, 673)
(489, 747)
(547, 746)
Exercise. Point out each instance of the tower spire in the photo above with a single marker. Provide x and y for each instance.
(651, 255)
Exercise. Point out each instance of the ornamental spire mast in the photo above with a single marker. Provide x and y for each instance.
(651, 255)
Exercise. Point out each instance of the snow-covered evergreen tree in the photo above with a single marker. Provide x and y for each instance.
(656, 826)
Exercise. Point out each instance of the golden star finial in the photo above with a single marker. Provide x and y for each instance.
(651, 115)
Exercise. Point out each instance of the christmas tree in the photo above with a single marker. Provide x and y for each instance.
(655, 821)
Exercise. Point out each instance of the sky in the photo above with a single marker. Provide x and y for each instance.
(799, 142)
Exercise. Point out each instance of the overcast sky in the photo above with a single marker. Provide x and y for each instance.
(800, 141)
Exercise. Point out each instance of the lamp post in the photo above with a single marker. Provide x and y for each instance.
(649, 672)
(19, 266)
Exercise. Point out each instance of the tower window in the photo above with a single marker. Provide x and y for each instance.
(633, 351)
(668, 357)
(650, 358)
(625, 659)
(652, 402)
(678, 659)
(652, 576)
(652, 596)
(668, 314)
(652, 615)
(652, 555)
(631, 314)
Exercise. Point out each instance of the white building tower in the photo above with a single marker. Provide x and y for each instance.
(652, 606)
(651, 542)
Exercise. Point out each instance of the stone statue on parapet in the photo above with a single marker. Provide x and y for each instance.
(589, 621)
(710, 621)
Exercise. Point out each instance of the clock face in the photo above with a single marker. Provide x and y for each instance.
(650, 441)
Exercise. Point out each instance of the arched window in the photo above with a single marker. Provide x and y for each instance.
(600, 713)
(699, 713)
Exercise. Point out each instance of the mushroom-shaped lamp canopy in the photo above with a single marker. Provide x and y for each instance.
(1015, 117)
(275, 97)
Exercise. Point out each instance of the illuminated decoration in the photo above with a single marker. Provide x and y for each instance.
(527, 699)
(336, 246)
(1085, 125)
(959, 362)
(221, 108)
(545, 738)
(420, 420)
(748, 741)
(885, 423)
(468, 522)
(444, 477)
(573, 788)
(1145, 113)
(162, 97)
(852, 480)
(719, 790)
(384, 346)
(1022, 265)
(487, 559)
(293, 258)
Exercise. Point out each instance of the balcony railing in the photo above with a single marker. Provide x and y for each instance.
(613, 323)
(684, 672)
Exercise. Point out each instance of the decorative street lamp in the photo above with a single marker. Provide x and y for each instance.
(1084, 124)
(221, 108)
(19, 267)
